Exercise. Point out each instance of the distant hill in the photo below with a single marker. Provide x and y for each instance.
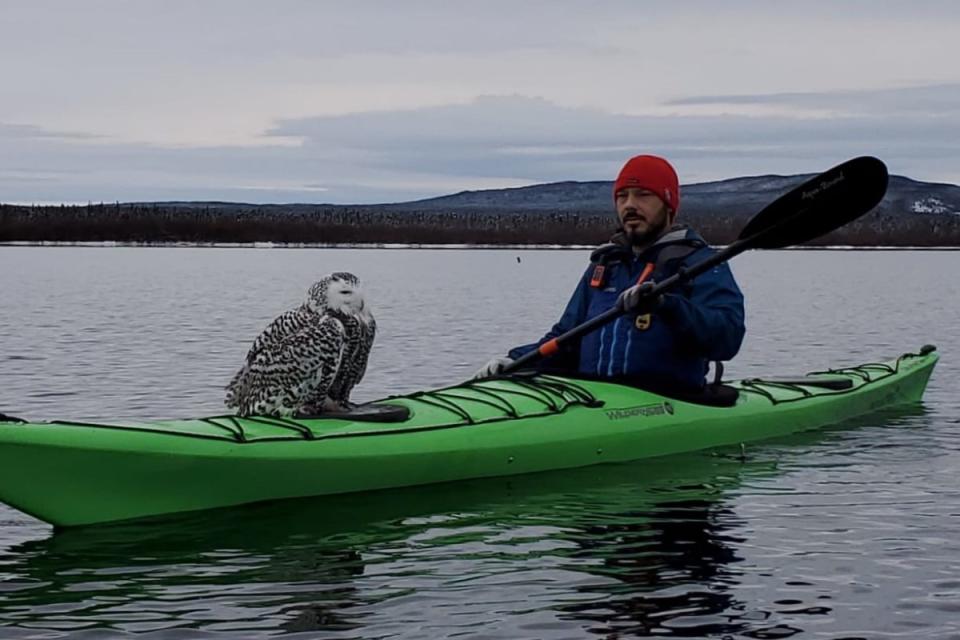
(912, 213)
(736, 196)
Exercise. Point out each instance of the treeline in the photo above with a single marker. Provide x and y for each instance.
(224, 222)
(297, 224)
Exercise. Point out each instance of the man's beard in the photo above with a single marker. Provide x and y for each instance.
(646, 237)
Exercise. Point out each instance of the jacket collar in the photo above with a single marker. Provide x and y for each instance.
(619, 248)
(676, 233)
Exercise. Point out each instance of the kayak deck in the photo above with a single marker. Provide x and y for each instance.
(471, 403)
(484, 401)
(74, 473)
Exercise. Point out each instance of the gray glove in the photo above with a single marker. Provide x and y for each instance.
(493, 367)
(638, 297)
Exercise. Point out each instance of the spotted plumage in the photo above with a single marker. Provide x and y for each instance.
(309, 359)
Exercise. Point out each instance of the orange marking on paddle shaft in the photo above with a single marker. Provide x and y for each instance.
(647, 270)
(552, 346)
(549, 348)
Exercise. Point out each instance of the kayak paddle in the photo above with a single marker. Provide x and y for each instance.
(816, 207)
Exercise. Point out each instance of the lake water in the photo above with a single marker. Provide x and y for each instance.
(845, 533)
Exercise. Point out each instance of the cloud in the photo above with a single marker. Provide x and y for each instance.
(934, 100)
(31, 132)
(493, 141)
(220, 72)
(533, 139)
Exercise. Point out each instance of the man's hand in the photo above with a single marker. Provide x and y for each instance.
(638, 298)
(493, 367)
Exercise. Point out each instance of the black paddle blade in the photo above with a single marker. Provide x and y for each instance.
(819, 205)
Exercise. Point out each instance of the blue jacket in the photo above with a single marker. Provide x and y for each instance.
(672, 347)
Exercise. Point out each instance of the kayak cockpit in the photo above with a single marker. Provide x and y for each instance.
(833, 384)
(369, 412)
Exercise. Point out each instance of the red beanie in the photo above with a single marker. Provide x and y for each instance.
(654, 174)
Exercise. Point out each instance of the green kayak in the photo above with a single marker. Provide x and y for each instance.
(72, 473)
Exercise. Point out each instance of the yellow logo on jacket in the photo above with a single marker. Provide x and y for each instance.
(642, 323)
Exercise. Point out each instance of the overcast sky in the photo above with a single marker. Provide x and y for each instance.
(353, 101)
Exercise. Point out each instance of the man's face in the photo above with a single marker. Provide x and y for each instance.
(643, 215)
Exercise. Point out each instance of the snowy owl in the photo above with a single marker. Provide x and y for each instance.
(308, 359)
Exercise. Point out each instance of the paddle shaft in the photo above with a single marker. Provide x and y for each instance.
(684, 275)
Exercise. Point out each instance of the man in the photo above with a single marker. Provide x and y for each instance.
(664, 344)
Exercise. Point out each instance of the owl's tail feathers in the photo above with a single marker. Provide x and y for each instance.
(238, 389)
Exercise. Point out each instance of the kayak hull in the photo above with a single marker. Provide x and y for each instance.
(71, 474)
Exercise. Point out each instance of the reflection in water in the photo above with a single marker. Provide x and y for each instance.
(668, 563)
(327, 563)
(649, 548)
